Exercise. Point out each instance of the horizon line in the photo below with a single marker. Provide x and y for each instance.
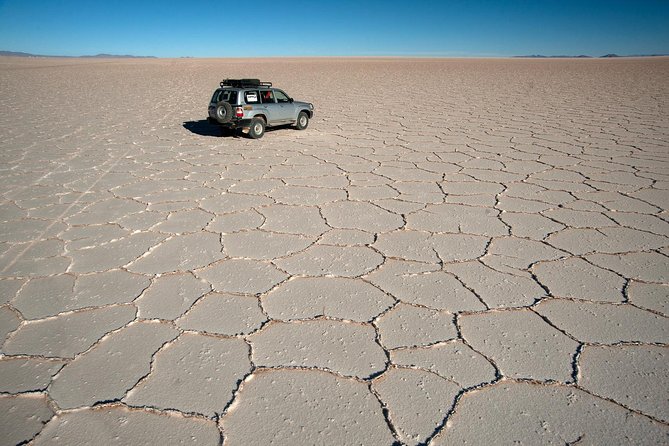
(8, 53)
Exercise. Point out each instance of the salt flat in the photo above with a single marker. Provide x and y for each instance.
(454, 251)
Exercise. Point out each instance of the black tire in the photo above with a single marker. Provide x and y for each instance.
(223, 112)
(257, 128)
(302, 121)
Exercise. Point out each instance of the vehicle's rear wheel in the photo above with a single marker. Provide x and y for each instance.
(223, 112)
(302, 121)
(257, 128)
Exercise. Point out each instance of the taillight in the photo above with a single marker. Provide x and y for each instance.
(239, 112)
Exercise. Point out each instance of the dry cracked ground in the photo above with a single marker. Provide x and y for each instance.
(455, 251)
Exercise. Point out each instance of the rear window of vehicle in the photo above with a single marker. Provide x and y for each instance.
(251, 97)
(225, 95)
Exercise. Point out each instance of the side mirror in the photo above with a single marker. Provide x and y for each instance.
(290, 100)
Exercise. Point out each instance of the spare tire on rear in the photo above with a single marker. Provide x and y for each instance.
(223, 112)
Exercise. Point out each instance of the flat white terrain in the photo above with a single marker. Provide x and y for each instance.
(454, 251)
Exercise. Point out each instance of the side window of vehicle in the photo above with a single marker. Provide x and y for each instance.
(267, 97)
(226, 95)
(251, 97)
(281, 96)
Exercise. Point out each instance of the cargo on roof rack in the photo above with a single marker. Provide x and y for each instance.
(244, 83)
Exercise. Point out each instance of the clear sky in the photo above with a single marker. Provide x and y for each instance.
(204, 28)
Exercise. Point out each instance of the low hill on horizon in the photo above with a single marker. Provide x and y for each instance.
(96, 56)
(585, 56)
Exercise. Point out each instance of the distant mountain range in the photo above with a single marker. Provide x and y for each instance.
(97, 56)
(583, 56)
(129, 56)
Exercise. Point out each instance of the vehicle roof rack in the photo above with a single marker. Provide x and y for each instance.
(244, 83)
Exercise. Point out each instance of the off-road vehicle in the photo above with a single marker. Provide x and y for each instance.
(252, 105)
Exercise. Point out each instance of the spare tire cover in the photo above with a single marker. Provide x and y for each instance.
(223, 112)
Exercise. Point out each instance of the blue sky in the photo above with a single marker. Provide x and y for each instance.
(203, 28)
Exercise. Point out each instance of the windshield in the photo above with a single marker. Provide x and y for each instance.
(225, 95)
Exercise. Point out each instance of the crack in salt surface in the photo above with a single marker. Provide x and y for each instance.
(56, 220)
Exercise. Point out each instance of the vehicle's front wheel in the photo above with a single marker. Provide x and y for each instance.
(257, 129)
(302, 121)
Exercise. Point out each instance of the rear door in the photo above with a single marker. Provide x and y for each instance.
(261, 103)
